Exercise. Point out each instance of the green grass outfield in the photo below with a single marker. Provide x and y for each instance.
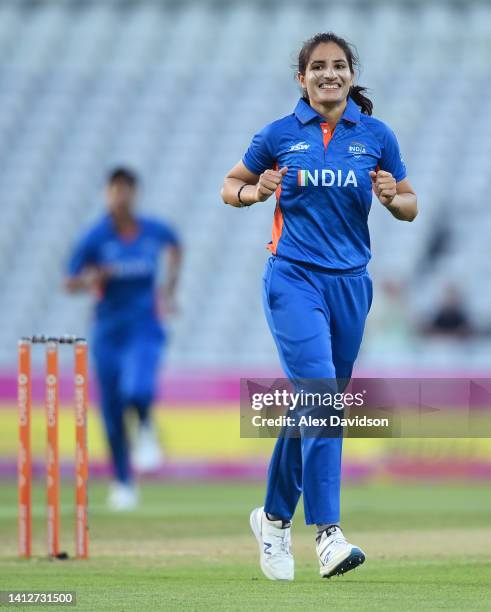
(189, 548)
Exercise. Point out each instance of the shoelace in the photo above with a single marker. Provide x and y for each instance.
(340, 540)
(284, 543)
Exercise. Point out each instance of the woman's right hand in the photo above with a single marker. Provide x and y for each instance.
(90, 279)
(268, 183)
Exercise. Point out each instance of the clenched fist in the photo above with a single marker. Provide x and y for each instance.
(384, 186)
(268, 183)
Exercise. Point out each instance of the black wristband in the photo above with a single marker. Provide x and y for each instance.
(238, 196)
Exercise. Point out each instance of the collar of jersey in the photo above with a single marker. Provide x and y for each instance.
(305, 113)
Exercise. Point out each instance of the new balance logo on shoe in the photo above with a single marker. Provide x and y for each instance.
(326, 557)
(267, 548)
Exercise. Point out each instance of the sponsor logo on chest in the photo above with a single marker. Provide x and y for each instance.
(326, 177)
(300, 146)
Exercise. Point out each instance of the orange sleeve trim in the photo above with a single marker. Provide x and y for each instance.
(277, 228)
(277, 220)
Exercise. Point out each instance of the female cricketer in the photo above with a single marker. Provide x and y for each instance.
(118, 259)
(322, 161)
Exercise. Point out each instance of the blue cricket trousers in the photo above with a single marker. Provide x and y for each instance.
(317, 318)
(127, 365)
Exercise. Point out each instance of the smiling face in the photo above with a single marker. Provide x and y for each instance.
(328, 78)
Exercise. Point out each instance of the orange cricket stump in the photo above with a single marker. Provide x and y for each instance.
(24, 479)
(81, 456)
(52, 459)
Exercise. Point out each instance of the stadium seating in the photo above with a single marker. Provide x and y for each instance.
(177, 91)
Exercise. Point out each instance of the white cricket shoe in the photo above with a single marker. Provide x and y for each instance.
(336, 555)
(274, 546)
(122, 497)
(147, 455)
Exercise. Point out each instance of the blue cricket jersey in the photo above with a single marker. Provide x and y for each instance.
(322, 206)
(128, 295)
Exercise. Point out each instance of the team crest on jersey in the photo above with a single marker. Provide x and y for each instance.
(357, 149)
(326, 178)
(300, 146)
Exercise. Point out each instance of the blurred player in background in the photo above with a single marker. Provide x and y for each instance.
(118, 260)
(323, 161)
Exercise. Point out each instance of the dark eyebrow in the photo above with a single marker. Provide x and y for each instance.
(320, 61)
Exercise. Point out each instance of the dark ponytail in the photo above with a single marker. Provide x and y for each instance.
(366, 105)
(356, 91)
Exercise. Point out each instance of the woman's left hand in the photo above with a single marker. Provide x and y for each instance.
(384, 186)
